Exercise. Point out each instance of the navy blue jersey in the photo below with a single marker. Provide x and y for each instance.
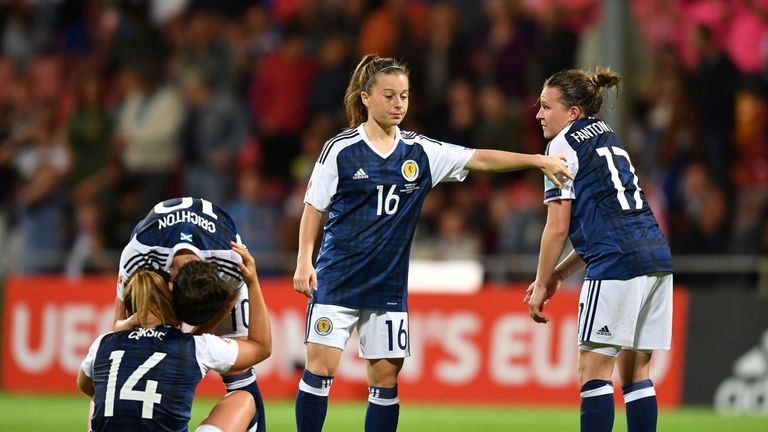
(181, 223)
(612, 227)
(145, 379)
(373, 201)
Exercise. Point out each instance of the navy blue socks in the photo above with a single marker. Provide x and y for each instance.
(642, 407)
(597, 406)
(383, 410)
(312, 402)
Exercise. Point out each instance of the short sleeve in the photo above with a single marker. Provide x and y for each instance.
(559, 146)
(322, 186)
(122, 275)
(215, 353)
(447, 162)
(87, 364)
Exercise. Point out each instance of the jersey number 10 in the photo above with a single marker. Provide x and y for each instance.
(186, 203)
(616, 179)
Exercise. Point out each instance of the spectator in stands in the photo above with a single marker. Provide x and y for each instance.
(88, 253)
(43, 162)
(443, 59)
(715, 80)
(520, 217)
(461, 114)
(147, 131)
(255, 215)
(505, 48)
(395, 28)
(88, 134)
(213, 132)
(204, 50)
(335, 64)
(701, 225)
(279, 103)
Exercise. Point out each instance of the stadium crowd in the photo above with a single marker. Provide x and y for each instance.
(107, 107)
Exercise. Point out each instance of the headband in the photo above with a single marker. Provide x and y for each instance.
(379, 72)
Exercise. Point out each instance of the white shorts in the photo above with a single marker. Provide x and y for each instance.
(383, 334)
(208, 428)
(635, 314)
(236, 323)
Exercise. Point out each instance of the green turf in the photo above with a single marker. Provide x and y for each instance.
(33, 413)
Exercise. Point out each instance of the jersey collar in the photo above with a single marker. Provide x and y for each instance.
(398, 138)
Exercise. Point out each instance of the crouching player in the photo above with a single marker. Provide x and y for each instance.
(145, 378)
(174, 233)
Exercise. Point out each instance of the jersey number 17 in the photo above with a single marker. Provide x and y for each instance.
(608, 153)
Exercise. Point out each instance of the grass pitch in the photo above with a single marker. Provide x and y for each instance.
(38, 413)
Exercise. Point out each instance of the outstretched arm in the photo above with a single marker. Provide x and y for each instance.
(553, 167)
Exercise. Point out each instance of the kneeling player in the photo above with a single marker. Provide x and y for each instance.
(145, 378)
(178, 231)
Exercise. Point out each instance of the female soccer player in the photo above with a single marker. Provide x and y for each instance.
(145, 378)
(625, 309)
(372, 180)
(180, 230)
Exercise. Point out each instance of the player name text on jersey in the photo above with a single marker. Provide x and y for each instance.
(186, 216)
(591, 131)
(146, 332)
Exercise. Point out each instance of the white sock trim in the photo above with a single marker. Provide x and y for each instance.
(383, 402)
(604, 390)
(208, 428)
(306, 388)
(234, 385)
(639, 394)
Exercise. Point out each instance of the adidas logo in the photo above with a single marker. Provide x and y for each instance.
(738, 393)
(603, 331)
(359, 175)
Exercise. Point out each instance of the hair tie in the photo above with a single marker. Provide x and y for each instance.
(368, 83)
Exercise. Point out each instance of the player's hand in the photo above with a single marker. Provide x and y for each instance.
(305, 279)
(552, 287)
(537, 297)
(126, 324)
(248, 266)
(556, 169)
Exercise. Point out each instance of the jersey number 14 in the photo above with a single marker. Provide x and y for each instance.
(148, 397)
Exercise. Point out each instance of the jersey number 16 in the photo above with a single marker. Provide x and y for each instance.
(389, 203)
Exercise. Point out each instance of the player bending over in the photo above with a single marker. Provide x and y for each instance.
(145, 378)
(178, 231)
